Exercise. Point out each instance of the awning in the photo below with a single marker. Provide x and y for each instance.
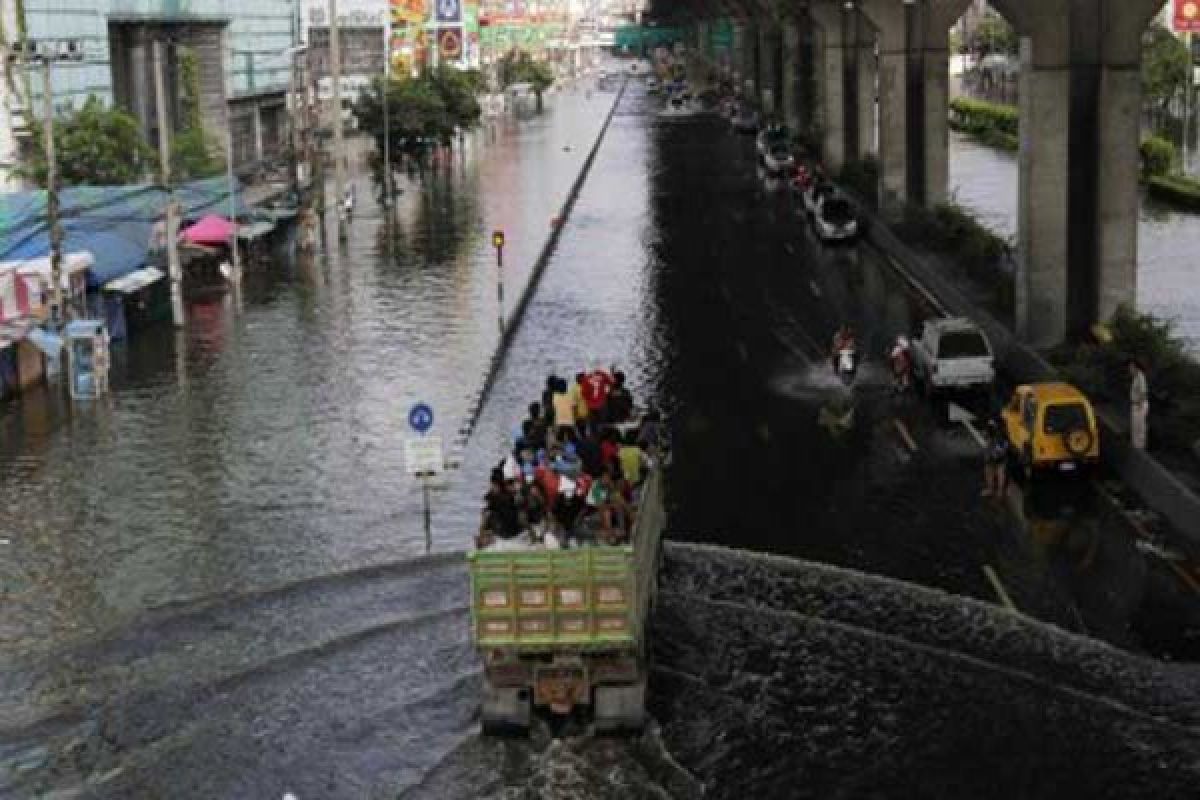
(135, 280)
(254, 230)
(210, 230)
(41, 267)
(14, 330)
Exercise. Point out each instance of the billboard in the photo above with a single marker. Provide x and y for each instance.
(1186, 16)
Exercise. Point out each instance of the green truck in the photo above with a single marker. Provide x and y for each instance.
(566, 629)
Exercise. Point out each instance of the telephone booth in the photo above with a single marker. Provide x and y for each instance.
(87, 358)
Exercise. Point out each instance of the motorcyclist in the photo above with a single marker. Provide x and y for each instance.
(844, 339)
(901, 361)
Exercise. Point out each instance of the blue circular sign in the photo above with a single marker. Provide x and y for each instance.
(420, 417)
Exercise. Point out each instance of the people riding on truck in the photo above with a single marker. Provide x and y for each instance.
(575, 478)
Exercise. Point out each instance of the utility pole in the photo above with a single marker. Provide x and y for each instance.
(235, 260)
(174, 269)
(57, 310)
(339, 144)
(388, 194)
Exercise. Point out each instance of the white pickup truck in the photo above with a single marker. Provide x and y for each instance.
(952, 354)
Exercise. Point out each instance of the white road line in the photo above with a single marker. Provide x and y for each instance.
(816, 290)
(975, 433)
(999, 588)
(905, 435)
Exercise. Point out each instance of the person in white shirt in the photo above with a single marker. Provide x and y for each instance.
(1139, 404)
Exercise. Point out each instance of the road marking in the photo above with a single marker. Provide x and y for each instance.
(999, 588)
(976, 434)
(790, 250)
(816, 290)
(743, 354)
(905, 435)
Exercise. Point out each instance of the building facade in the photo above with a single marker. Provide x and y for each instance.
(239, 51)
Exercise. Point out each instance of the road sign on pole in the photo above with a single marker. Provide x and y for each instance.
(423, 455)
(420, 418)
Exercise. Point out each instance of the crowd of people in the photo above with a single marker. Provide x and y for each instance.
(577, 465)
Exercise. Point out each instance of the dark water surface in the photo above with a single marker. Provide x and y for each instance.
(216, 586)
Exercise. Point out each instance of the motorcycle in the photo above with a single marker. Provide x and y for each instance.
(846, 364)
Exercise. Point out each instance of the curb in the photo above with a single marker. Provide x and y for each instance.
(513, 320)
(1160, 489)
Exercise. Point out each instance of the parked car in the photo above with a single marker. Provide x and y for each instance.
(1050, 426)
(952, 354)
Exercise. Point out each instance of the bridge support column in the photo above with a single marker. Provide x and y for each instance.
(895, 23)
(939, 16)
(834, 104)
(868, 88)
(1045, 96)
(768, 70)
(790, 90)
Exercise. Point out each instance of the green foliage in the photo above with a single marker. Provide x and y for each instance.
(1179, 190)
(1165, 66)
(862, 178)
(193, 152)
(94, 146)
(994, 35)
(1101, 370)
(993, 124)
(1158, 156)
(954, 233)
(194, 155)
(518, 66)
(422, 111)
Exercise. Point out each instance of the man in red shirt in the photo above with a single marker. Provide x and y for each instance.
(596, 386)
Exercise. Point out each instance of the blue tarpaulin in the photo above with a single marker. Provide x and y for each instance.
(112, 222)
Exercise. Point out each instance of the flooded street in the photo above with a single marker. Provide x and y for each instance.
(217, 585)
(984, 179)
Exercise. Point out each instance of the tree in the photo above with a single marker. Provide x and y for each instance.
(422, 111)
(93, 145)
(193, 153)
(994, 35)
(517, 66)
(1165, 66)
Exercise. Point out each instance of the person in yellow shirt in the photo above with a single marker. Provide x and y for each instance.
(564, 411)
(581, 406)
(633, 460)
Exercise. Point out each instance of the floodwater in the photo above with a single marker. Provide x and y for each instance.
(216, 585)
(985, 179)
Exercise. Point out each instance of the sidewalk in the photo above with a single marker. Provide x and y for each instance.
(1171, 494)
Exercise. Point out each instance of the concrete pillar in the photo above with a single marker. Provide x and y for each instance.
(867, 89)
(891, 20)
(744, 38)
(1045, 96)
(789, 91)
(831, 55)
(766, 71)
(258, 133)
(1119, 129)
(938, 17)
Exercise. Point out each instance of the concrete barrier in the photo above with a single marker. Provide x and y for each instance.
(1141, 472)
(513, 321)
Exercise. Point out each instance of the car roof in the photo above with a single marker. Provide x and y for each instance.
(1055, 391)
(954, 324)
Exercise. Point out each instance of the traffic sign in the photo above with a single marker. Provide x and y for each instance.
(420, 418)
(423, 455)
(497, 239)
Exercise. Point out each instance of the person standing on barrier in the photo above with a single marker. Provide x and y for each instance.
(1139, 404)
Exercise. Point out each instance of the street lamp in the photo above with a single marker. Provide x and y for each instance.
(46, 52)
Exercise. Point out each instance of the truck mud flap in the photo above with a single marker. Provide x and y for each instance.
(620, 708)
(505, 710)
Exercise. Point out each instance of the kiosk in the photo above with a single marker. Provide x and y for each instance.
(87, 358)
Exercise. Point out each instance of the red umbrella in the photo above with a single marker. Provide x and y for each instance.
(210, 230)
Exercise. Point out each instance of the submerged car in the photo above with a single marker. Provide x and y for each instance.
(1051, 426)
(835, 219)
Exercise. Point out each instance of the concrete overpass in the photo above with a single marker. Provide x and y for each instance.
(871, 77)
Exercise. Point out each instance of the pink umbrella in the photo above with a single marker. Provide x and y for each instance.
(210, 230)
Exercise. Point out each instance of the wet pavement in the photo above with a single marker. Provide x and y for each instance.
(240, 605)
(985, 179)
